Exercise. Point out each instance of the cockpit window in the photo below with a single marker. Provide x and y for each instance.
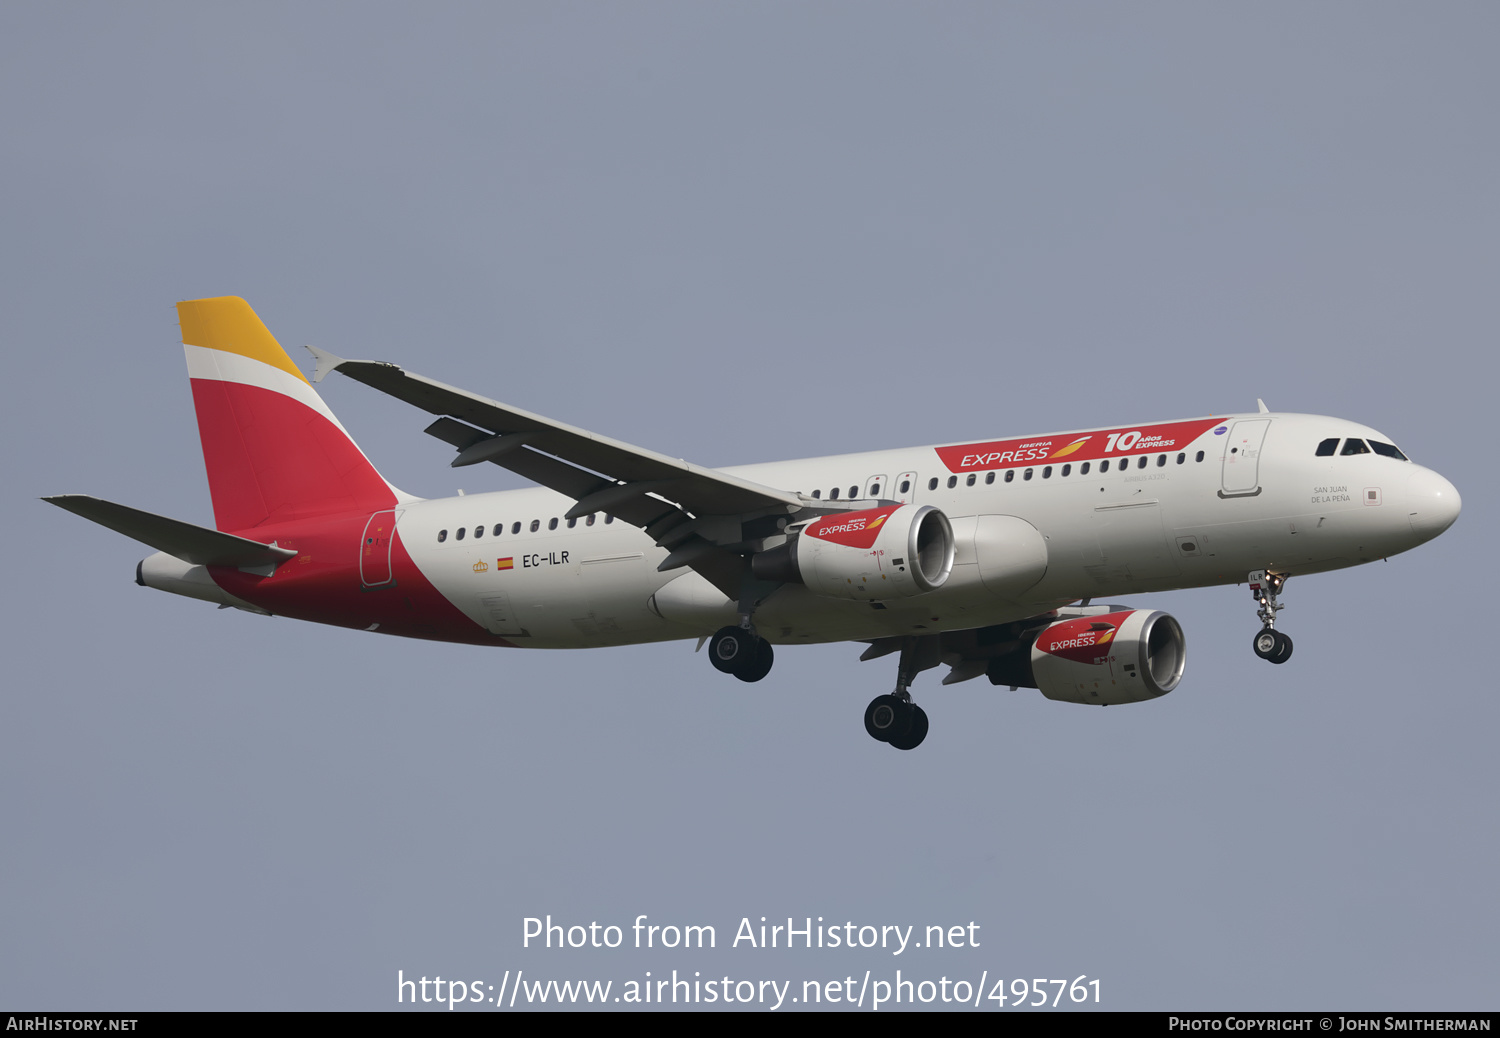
(1353, 446)
(1387, 450)
(1328, 448)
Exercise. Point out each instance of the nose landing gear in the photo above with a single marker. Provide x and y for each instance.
(1272, 645)
(1269, 643)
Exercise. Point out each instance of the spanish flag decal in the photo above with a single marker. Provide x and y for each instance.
(509, 563)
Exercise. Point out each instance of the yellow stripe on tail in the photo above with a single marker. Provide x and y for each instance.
(227, 323)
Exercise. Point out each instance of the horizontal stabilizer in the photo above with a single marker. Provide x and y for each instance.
(195, 544)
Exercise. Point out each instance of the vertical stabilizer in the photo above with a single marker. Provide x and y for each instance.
(272, 448)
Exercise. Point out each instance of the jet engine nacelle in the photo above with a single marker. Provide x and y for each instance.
(879, 553)
(1127, 656)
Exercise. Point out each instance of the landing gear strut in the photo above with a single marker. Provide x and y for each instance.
(894, 718)
(739, 650)
(1269, 643)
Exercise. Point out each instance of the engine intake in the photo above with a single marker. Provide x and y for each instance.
(877, 554)
(1128, 656)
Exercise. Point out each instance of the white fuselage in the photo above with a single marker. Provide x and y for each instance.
(1155, 520)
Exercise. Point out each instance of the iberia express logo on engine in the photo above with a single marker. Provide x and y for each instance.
(851, 529)
(1085, 640)
(1039, 450)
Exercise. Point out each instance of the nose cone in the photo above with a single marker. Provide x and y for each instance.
(1432, 502)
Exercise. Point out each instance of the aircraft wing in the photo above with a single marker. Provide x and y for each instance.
(499, 433)
(673, 501)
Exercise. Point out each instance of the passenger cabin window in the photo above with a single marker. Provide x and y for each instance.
(499, 529)
(572, 522)
(1067, 469)
(952, 482)
(442, 536)
(1387, 450)
(833, 495)
(590, 520)
(536, 524)
(515, 527)
(989, 477)
(1027, 475)
(1161, 459)
(1199, 457)
(608, 519)
(1327, 448)
(1083, 470)
(817, 495)
(932, 483)
(478, 531)
(552, 523)
(1047, 472)
(1181, 458)
(874, 489)
(970, 481)
(1353, 446)
(853, 492)
(905, 485)
(1104, 465)
(1141, 463)
(460, 535)
(1010, 475)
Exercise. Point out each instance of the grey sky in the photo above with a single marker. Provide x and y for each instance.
(737, 233)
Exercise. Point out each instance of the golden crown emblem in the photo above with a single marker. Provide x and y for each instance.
(481, 566)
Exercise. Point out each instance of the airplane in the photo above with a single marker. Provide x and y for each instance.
(985, 557)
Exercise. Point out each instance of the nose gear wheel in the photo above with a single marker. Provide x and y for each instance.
(1269, 643)
(1273, 645)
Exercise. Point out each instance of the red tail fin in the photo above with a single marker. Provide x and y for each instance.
(272, 448)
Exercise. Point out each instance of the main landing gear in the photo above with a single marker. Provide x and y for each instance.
(1269, 643)
(741, 652)
(894, 718)
(738, 650)
(897, 720)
